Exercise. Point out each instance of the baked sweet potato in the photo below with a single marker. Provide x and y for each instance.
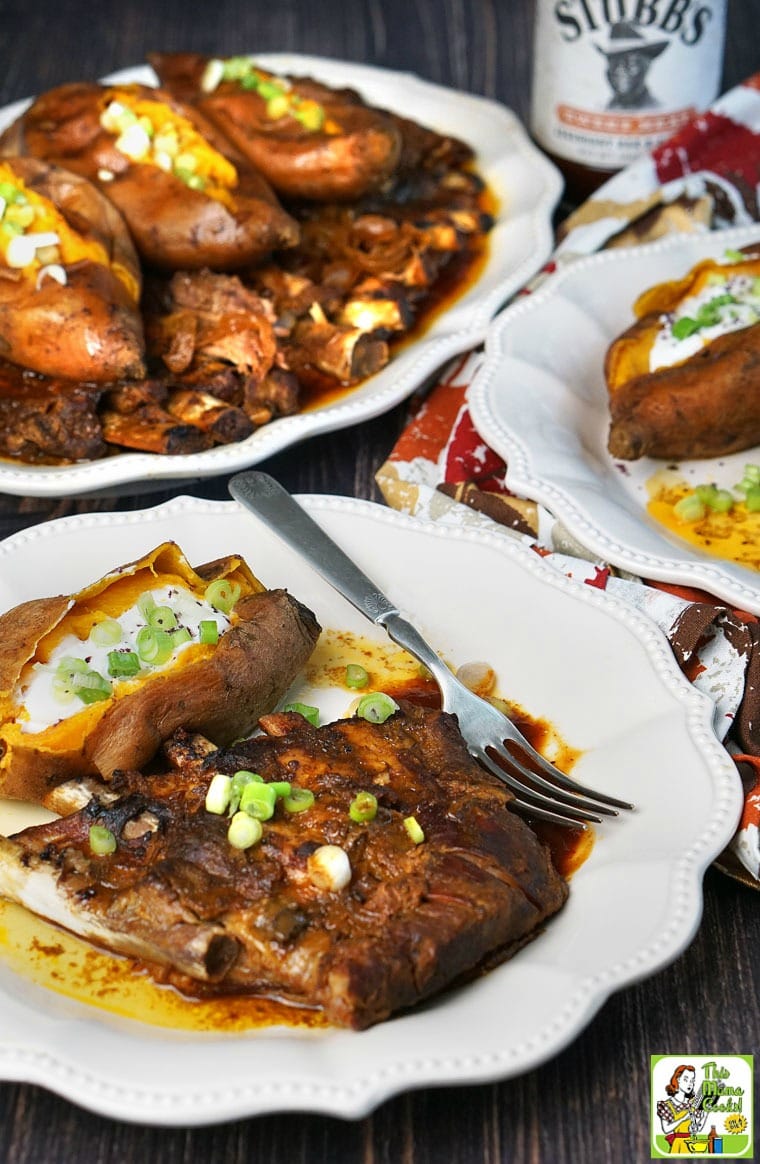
(309, 141)
(96, 681)
(188, 198)
(684, 380)
(69, 277)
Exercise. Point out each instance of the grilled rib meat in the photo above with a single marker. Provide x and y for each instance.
(413, 918)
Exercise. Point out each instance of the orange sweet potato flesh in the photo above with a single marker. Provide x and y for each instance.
(90, 328)
(219, 691)
(358, 153)
(173, 225)
(705, 406)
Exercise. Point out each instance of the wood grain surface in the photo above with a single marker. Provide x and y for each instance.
(590, 1103)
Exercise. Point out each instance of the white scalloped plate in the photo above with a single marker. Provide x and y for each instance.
(602, 673)
(527, 187)
(540, 401)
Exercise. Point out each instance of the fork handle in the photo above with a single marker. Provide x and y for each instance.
(274, 505)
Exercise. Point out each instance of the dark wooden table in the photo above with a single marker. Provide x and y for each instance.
(591, 1102)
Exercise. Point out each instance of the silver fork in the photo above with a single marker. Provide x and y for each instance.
(540, 789)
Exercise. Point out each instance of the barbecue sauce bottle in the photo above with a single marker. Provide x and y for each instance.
(614, 78)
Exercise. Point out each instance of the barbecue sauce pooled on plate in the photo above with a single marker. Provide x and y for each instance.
(48, 956)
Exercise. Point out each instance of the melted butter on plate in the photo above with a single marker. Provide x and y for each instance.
(733, 536)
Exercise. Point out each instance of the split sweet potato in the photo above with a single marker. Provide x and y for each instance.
(705, 404)
(55, 726)
(188, 198)
(310, 141)
(69, 277)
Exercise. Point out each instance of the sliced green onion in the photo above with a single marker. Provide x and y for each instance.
(63, 688)
(329, 867)
(70, 664)
(145, 604)
(241, 780)
(162, 617)
(310, 115)
(752, 499)
(123, 664)
(153, 645)
(306, 710)
(413, 828)
(208, 631)
(223, 594)
(10, 193)
(258, 800)
(236, 67)
(218, 794)
(179, 636)
(734, 256)
(356, 676)
(689, 508)
(376, 707)
(363, 807)
(684, 327)
(106, 633)
(281, 788)
(278, 106)
(244, 831)
(719, 500)
(299, 799)
(92, 687)
(102, 840)
(750, 479)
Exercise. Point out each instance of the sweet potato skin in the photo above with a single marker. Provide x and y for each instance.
(222, 697)
(90, 328)
(173, 226)
(220, 693)
(346, 164)
(707, 406)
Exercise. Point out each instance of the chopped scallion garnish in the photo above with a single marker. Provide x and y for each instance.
(106, 633)
(258, 800)
(299, 799)
(306, 710)
(102, 841)
(222, 594)
(123, 664)
(244, 831)
(208, 632)
(414, 830)
(163, 618)
(376, 707)
(363, 807)
(356, 676)
(153, 645)
(218, 794)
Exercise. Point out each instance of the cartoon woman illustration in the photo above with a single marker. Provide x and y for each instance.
(681, 1115)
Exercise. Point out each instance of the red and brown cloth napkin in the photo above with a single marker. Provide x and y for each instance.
(706, 177)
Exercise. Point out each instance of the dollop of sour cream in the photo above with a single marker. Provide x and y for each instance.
(40, 708)
(744, 311)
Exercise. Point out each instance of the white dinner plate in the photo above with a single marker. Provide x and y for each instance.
(527, 187)
(600, 672)
(540, 400)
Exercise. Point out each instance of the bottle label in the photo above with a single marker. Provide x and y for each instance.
(614, 78)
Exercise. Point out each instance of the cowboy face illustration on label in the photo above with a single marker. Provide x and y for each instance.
(629, 57)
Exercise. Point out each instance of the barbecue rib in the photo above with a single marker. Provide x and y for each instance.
(413, 918)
